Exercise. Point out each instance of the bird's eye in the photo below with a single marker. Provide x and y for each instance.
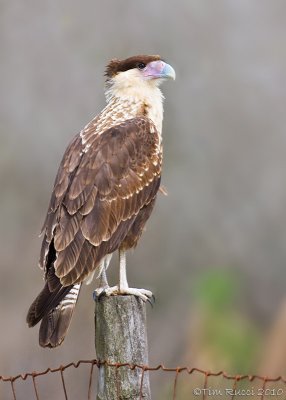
(141, 65)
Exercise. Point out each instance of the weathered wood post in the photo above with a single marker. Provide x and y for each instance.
(121, 337)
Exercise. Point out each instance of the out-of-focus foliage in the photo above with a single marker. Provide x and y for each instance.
(227, 337)
(216, 290)
(224, 169)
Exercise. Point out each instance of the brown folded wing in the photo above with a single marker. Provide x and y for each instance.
(99, 192)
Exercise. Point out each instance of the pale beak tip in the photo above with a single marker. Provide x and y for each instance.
(169, 72)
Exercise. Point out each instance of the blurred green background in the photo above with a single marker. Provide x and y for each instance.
(214, 252)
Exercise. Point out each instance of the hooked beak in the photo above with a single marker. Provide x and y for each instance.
(159, 70)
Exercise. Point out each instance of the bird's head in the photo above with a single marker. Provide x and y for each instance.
(136, 73)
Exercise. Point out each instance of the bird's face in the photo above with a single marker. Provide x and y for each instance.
(139, 72)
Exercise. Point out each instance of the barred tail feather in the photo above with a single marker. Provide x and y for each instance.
(55, 309)
(55, 324)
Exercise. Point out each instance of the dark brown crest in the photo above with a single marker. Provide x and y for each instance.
(116, 65)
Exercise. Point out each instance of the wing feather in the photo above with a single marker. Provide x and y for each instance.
(66, 259)
(89, 204)
(85, 263)
(95, 225)
(66, 229)
(104, 180)
(73, 205)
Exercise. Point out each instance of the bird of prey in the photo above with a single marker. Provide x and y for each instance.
(104, 193)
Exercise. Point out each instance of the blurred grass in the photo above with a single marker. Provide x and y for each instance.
(226, 332)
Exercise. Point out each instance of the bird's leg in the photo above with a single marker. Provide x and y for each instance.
(103, 283)
(122, 288)
(123, 284)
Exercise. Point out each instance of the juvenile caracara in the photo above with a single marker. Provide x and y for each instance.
(104, 192)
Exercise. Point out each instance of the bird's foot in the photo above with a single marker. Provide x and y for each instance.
(144, 294)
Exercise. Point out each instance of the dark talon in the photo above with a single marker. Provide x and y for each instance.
(151, 300)
(97, 297)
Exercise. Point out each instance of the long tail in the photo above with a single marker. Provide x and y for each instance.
(55, 308)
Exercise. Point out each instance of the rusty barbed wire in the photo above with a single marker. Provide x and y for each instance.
(145, 368)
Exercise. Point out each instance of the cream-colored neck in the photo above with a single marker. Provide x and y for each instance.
(137, 97)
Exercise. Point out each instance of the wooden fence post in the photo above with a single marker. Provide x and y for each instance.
(121, 337)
